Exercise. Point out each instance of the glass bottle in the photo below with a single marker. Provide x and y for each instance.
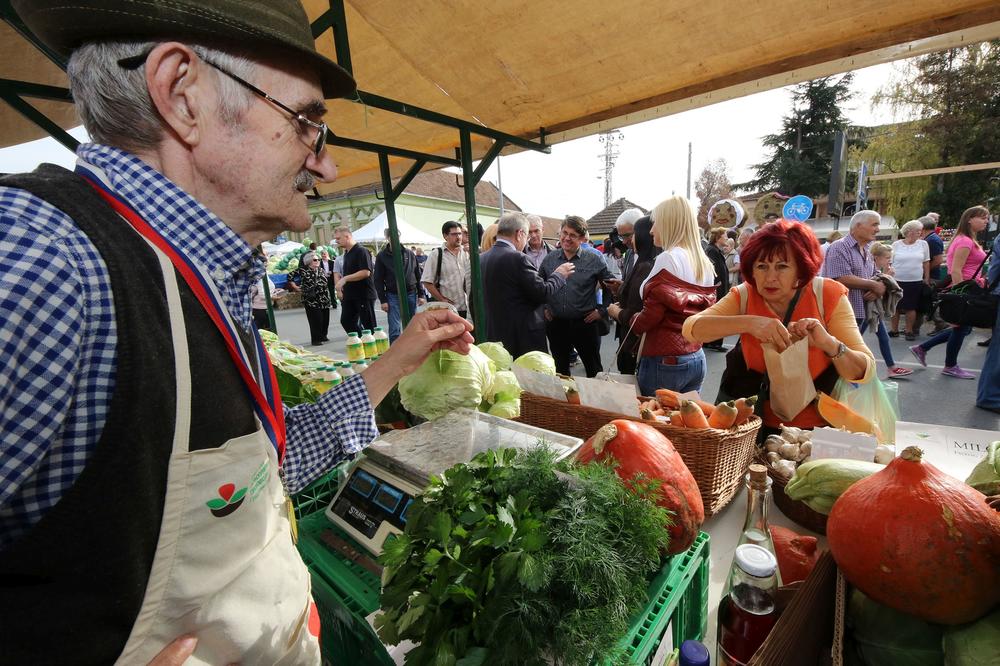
(755, 527)
(748, 611)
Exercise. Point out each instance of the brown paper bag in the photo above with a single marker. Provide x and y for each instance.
(791, 384)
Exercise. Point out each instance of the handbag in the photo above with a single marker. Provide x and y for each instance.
(968, 303)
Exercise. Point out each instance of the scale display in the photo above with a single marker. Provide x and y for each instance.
(372, 505)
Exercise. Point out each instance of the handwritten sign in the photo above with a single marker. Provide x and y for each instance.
(611, 396)
(798, 208)
(539, 383)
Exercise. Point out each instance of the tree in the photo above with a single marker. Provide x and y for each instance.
(954, 97)
(801, 153)
(712, 185)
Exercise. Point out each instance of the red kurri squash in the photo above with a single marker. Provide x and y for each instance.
(919, 541)
(641, 449)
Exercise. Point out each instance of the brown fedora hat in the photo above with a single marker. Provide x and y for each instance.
(281, 24)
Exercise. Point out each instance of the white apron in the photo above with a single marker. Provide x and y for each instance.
(225, 567)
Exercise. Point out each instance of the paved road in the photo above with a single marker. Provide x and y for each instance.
(926, 396)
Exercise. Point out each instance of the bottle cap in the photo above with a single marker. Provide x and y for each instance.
(352, 334)
(693, 653)
(755, 560)
(366, 332)
(378, 328)
(758, 475)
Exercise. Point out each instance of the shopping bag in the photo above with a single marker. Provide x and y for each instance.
(876, 400)
(791, 385)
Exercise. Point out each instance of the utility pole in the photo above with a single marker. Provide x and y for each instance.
(609, 139)
(689, 171)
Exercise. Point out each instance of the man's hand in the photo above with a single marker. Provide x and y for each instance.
(869, 296)
(613, 285)
(592, 316)
(340, 293)
(548, 314)
(385, 307)
(878, 288)
(427, 332)
(177, 652)
(565, 269)
(421, 301)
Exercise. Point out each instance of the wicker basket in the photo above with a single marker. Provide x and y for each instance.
(718, 459)
(795, 510)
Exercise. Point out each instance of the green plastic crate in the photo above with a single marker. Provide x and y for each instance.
(345, 637)
(678, 599)
(678, 594)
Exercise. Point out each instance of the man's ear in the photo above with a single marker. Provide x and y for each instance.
(179, 87)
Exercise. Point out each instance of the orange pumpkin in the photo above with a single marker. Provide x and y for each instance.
(919, 541)
(641, 449)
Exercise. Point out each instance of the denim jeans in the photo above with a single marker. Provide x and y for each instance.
(395, 319)
(954, 337)
(988, 394)
(687, 375)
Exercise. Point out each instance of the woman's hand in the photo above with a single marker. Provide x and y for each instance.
(770, 330)
(614, 310)
(818, 337)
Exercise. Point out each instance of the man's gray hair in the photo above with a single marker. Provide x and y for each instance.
(862, 215)
(628, 217)
(114, 103)
(928, 223)
(912, 225)
(534, 220)
(510, 223)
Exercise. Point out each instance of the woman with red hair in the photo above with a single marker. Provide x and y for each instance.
(780, 302)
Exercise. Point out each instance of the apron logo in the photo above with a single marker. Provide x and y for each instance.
(229, 500)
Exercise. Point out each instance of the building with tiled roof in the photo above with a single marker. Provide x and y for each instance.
(601, 224)
(430, 200)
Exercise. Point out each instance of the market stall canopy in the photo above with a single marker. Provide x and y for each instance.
(374, 232)
(577, 68)
(275, 249)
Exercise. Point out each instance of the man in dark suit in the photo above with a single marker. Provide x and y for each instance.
(514, 292)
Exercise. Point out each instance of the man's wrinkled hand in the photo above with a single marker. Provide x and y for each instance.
(565, 269)
(592, 316)
(430, 331)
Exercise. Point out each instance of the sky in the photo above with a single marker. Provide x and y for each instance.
(652, 161)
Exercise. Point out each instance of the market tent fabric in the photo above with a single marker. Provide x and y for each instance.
(282, 248)
(374, 232)
(582, 66)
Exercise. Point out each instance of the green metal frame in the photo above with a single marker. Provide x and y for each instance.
(335, 21)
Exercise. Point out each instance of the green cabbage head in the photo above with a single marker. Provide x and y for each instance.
(500, 356)
(537, 361)
(446, 381)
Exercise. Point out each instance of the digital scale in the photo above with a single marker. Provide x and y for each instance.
(374, 500)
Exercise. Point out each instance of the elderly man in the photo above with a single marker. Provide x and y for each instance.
(147, 457)
(536, 249)
(849, 262)
(624, 228)
(514, 291)
(572, 312)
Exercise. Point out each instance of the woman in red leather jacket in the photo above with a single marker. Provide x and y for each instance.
(681, 283)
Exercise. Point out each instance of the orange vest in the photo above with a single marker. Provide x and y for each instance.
(807, 307)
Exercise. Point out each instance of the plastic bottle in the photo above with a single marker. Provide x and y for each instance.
(748, 612)
(360, 366)
(346, 370)
(371, 345)
(334, 375)
(694, 653)
(382, 339)
(355, 348)
(755, 527)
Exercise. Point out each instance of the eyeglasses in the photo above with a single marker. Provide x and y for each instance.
(318, 144)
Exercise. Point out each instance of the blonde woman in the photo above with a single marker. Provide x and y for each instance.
(680, 284)
(489, 237)
(912, 265)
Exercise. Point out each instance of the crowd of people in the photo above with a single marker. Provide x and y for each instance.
(656, 275)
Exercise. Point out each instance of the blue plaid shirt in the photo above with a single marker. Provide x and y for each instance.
(58, 340)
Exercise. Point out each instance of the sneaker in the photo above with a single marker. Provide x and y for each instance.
(921, 355)
(955, 371)
(893, 334)
(899, 372)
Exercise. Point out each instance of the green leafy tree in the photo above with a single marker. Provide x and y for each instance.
(954, 96)
(801, 153)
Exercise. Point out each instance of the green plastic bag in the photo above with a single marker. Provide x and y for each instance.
(875, 400)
